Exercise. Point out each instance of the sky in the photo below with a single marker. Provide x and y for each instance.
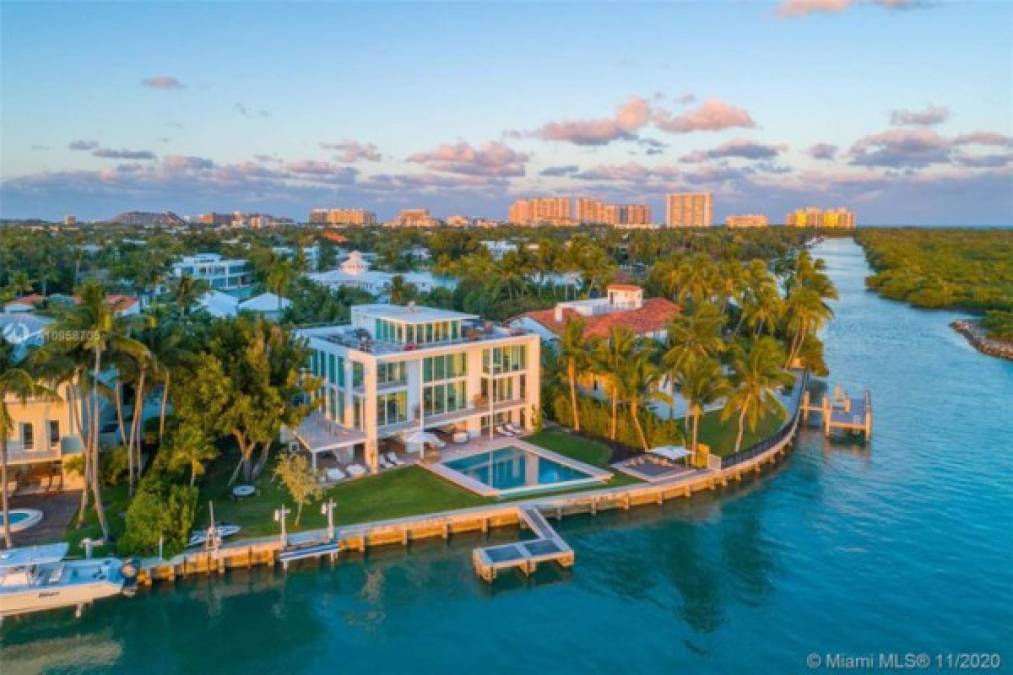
(899, 109)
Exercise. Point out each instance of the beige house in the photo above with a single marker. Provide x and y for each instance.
(44, 434)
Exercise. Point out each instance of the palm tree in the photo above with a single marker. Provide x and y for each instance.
(756, 374)
(400, 292)
(191, 449)
(17, 384)
(575, 351)
(93, 326)
(639, 381)
(610, 360)
(701, 383)
(187, 291)
(805, 313)
(763, 310)
(19, 283)
(280, 277)
(690, 337)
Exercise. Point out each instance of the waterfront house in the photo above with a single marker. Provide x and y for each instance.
(355, 272)
(397, 370)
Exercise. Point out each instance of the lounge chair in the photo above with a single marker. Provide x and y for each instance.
(356, 470)
(517, 431)
(503, 431)
(334, 475)
(384, 463)
(393, 459)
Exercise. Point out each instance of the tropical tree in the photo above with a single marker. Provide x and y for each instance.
(16, 385)
(576, 350)
(610, 360)
(701, 383)
(639, 380)
(186, 291)
(189, 447)
(94, 327)
(294, 472)
(280, 277)
(756, 375)
(401, 292)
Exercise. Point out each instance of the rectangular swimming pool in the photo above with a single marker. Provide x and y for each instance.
(512, 470)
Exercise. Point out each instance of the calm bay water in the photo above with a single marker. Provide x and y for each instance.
(904, 544)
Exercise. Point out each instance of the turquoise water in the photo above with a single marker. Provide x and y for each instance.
(511, 468)
(904, 544)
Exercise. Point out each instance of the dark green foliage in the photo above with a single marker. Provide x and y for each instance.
(595, 416)
(937, 268)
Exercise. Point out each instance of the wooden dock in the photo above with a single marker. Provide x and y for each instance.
(841, 412)
(524, 555)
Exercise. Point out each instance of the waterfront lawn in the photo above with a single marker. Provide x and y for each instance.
(392, 494)
(115, 498)
(583, 450)
(720, 435)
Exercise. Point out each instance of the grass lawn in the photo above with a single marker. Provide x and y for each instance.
(115, 500)
(720, 436)
(583, 450)
(392, 494)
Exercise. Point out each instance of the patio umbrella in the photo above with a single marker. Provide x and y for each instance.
(422, 437)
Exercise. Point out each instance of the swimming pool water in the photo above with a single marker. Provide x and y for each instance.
(512, 468)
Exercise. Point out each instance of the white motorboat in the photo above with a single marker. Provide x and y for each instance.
(223, 530)
(36, 578)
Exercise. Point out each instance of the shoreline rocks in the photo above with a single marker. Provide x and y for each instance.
(980, 341)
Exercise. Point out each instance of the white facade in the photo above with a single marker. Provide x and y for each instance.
(221, 274)
(311, 254)
(396, 370)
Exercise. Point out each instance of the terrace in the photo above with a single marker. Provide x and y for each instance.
(360, 339)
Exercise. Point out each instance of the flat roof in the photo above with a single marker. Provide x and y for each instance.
(411, 313)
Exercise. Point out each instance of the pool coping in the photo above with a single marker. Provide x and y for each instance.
(594, 474)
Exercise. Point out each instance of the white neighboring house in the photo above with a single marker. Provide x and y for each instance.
(397, 370)
(268, 304)
(221, 274)
(354, 272)
(499, 247)
(222, 305)
(219, 304)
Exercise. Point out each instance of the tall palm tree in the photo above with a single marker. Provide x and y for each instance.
(16, 384)
(400, 291)
(763, 310)
(639, 381)
(701, 383)
(576, 350)
(805, 312)
(756, 374)
(280, 277)
(690, 337)
(610, 360)
(94, 327)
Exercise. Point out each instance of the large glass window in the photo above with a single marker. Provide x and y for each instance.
(391, 408)
(442, 398)
(391, 373)
(358, 372)
(444, 367)
(504, 359)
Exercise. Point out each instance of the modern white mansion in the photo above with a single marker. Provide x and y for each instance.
(396, 372)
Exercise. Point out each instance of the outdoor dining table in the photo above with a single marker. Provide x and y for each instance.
(241, 491)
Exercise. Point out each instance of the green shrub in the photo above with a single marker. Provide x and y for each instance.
(161, 509)
(595, 418)
(114, 464)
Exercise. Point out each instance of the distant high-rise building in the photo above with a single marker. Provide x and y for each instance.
(747, 220)
(689, 209)
(70, 220)
(814, 217)
(541, 211)
(593, 211)
(414, 218)
(458, 220)
(342, 217)
(215, 219)
(637, 214)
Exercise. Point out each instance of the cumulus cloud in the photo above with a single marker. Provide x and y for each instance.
(352, 151)
(712, 115)
(82, 145)
(901, 148)
(793, 8)
(739, 148)
(109, 153)
(491, 159)
(162, 82)
(929, 116)
(629, 117)
(559, 170)
(983, 138)
(823, 151)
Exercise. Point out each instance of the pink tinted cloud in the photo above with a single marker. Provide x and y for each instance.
(793, 8)
(901, 148)
(931, 115)
(352, 151)
(712, 115)
(491, 159)
(162, 82)
(629, 117)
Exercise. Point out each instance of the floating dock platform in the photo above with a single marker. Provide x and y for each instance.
(841, 412)
(524, 555)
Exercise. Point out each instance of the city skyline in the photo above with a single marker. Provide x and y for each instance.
(459, 109)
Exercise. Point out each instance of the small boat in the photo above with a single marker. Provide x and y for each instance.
(36, 578)
(198, 537)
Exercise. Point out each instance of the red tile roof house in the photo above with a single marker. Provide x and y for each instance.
(122, 305)
(623, 305)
